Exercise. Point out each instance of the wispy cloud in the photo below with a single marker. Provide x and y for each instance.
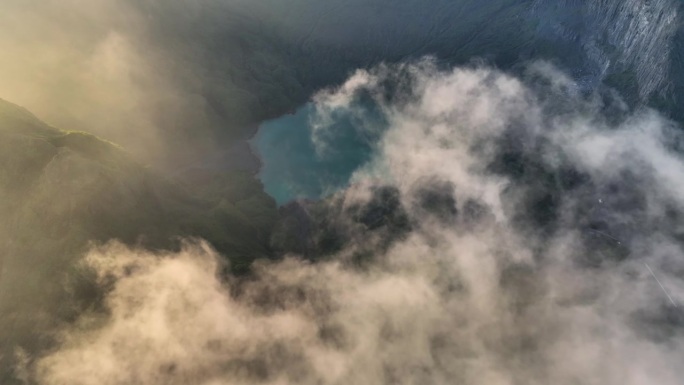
(525, 289)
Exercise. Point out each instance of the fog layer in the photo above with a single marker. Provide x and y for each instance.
(531, 218)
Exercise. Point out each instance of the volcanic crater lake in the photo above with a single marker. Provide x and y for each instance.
(293, 167)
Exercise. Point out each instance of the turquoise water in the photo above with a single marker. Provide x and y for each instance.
(291, 167)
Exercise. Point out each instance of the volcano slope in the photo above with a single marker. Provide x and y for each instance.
(61, 192)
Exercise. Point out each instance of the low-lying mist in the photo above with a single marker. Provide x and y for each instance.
(175, 82)
(506, 231)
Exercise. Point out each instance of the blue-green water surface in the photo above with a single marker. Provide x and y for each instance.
(291, 166)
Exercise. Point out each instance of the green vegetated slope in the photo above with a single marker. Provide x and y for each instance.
(62, 191)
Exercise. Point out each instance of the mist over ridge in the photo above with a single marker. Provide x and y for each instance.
(172, 81)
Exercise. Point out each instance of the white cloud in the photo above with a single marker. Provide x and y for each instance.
(476, 301)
